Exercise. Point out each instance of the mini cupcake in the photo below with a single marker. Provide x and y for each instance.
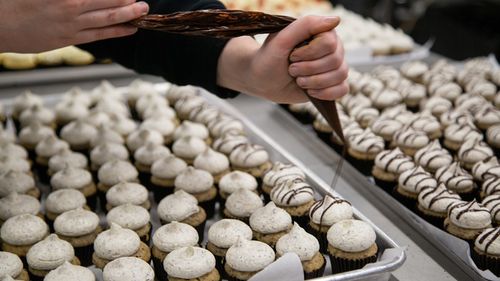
(363, 149)
(187, 148)
(70, 272)
(175, 92)
(68, 111)
(106, 135)
(79, 135)
(106, 152)
(433, 203)
(455, 116)
(414, 70)
(493, 138)
(385, 98)
(111, 105)
(458, 180)
(246, 258)
(145, 156)
(185, 105)
(30, 136)
(224, 124)
(233, 181)
(22, 102)
(200, 184)
(250, 158)
(279, 173)
(141, 137)
(487, 116)
(132, 217)
(222, 235)
(485, 169)
(241, 204)
(322, 128)
(467, 220)
(97, 119)
(436, 106)
(163, 174)
(432, 156)
(167, 238)
(326, 212)
(127, 193)
(162, 124)
(191, 263)
(114, 172)
(473, 151)
(12, 163)
(44, 150)
(486, 252)
(296, 197)
(389, 164)
(351, 245)
(38, 113)
(306, 246)
(410, 183)
(79, 179)
(128, 269)
(66, 158)
(11, 149)
(118, 242)
(192, 129)
(123, 125)
(182, 207)
(17, 204)
(146, 100)
(492, 203)
(80, 228)
(270, 223)
(228, 142)
(427, 123)
(490, 186)
(12, 266)
(456, 134)
(161, 112)
(385, 127)
(61, 201)
(204, 114)
(19, 182)
(410, 140)
(364, 116)
(216, 163)
(49, 254)
(21, 232)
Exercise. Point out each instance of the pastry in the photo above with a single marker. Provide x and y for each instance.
(351, 245)
(279, 173)
(7, 136)
(168, 238)
(411, 93)
(485, 169)
(186, 104)
(22, 102)
(12, 266)
(127, 193)
(427, 123)
(191, 263)
(114, 172)
(492, 203)
(365, 116)
(473, 151)
(363, 148)
(17, 61)
(448, 90)
(490, 186)
(188, 148)
(433, 203)
(455, 116)
(296, 197)
(457, 179)
(246, 258)
(66, 158)
(69, 110)
(436, 106)
(389, 164)
(17, 204)
(306, 246)
(111, 105)
(144, 158)
(487, 116)
(228, 142)
(470, 102)
(467, 220)
(410, 140)
(19, 182)
(192, 129)
(157, 112)
(38, 113)
(493, 137)
(97, 119)
(106, 135)
(163, 174)
(485, 251)
(385, 127)
(80, 228)
(270, 223)
(70, 272)
(63, 200)
(11, 149)
(241, 204)
(30, 136)
(200, 184)
(139, 138)
(455, 135)
(410, 183)
(123, 125)
(106, 152)
(175, 92)
(75, 56)
(216, 163)
(132, 217)
(164, 125)
(79, 135)
(15, 164)
(128, 269)
(204, 114)
(224, 124)
(44, 150)
(250, 158)
(79, 179)
(78, 95)
(385, 98)
(432, 156)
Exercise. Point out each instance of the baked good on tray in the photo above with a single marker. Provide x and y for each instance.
(128, 269)
(270, 223)
(246, 258)
(191, 263)
(132, 217)
(12, 266)
(17, 204)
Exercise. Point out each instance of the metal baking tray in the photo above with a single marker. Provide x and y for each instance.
(391, 255)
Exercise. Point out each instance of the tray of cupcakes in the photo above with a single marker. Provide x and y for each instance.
(429, 137)
(162, 182)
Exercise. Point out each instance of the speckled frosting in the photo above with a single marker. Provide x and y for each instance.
(116, 171)
(492, 202)
(459, 117)
(72, 178)
(298, 241)
(454, 177)
(366, 142)
(17, 204)
(24, 229)
(292, 193)
(127, 192)
(235, 180)
(191, 129)
(330, 210)
(66, 157)
(386, 98)
(147, 100)
(493, 136)
(394, 161)
(189, 263)
(168, 167)
(34, 133)
(386, 127)
(50, 146)
(97, 119)
(10, 264)
(437, 199)
(25, 100)
(76, 223)
(129, 216)
(194, 180)
(158, 112)
(128, 269)
(433, 156)
(270, 219)
(12, 163)
(416, 179)
(487, 168)
(224, 124)
(64, 200)
(459, 133)
(225, 233)
(203, 114)
(175, 235)
(281, 172)
(228, 142)
(12, 149)
(150, 152)
(108, 151)
(489, 241)
(249, 255)
(351, 236)
(212, 161)
(177, 92)
(469, 215)
(243, 203)
(408, 137)
(78, 133)
(436, 105)
(491, 186)
(143, 136)
(123, 125)
(185, 105)
(162, 124)
(13, 181)
(50, 253)
(116, 242)
(473, 151)
(189, 147)
(70, 272)
(178, 206)
(487, 116)
(248, 156)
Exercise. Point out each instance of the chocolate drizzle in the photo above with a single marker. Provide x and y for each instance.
(443, 194)
(284, 193)
(491, 234)
(321, 204)
(467, 207)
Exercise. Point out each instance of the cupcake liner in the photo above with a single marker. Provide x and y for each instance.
(92, 202)
(160, 192)
(434, 220)
(145, 179)
(387, 186)
(321, 236)
(219, 265)
(41, 173)
(316, 273)
(342, 265)
(209, 207)
(485, 262)
(201, 230)
(408, 202)
(85, 254)
(102, 199)
(160, 272)
(364, 166)
(301, 220)
(35, 278)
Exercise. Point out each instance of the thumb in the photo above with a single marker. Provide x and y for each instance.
(303, 29)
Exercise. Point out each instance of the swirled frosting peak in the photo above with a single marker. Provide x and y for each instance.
(70, 272)
(225, 232)
(298, 241)
(433, 156)
(175, 235)
(189, 263)
(489, 241)
(177, 206)
(281, 172)
(454, 177)
(416, 179)
(351, 236)
(248, 156)
(50, 253)
(330, 210)
(394, 161)
(243, 203)
(292, 193)
(116, 242)
(128, 269)
(249, 255)
(470, 215)
(486, 168)
(270, 219)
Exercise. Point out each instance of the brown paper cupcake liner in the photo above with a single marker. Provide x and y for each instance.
(145, 179)
(92, 202)
(301, 220)
(160, 272)
(41, 173)
(484, 262)
(321, 236)
(209, 207)
(387, 186)
(84, 254)
(160, 192)
(434, 220)
(316, 273)
(364, 166)
(342, 265)
(408, 202)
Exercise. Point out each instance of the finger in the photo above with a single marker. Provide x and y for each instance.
(301, 30)
(94, 34)
(324, 64)
(322, 45)
(330, 93)
(93, 5)
(113, 16)
(324, 80)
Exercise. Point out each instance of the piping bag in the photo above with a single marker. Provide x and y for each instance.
(233, 23)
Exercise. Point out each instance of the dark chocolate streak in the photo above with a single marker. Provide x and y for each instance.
(494, 202)
(317, 206)
(468, 209)
(285, 191)
(496, 234)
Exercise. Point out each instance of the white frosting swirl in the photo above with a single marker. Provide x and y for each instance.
(416, 179)
(10, 264)
(70, 272)
(454, 177)
(292, 193)
(141, 137)
(228, 142)
(23, 230)
(491, 186)
(25, 100)
(249, 256)
(128, 269)
(411, 138)
(225, 233)
(394, 161)
(492, 202)
(108, 151)
(212, 161)
(461, 132)
(127, 192)
(189, 263)
(223, 124)
(129, 216)
(473, 151)
(489, 241)
(193, 180)
(433, 156)
(351, 236)
(235, 180)
(243, 203)
(455, 116)
(437, 199)
(386, 127)
(188, 147)
(191, 129)
(248, 156)
(385, 98)
(186, 104)
(122, 124)
(50, 253)
(34, 133)
(78, 133)
(270, 219)
(162, 124)
(66, 157)
(175, 235)
(12, 149)
(64, 200)
(488, 116)
(203, 114)
(330, 210)
(493, 135)
(72, 178)
(97, 119)
(150, 152)
(147, 100)
(178, 206)
(13, 181)
(281, 172)
(485, 169)
(116, 171)
(8, 163)
(436, 105)
(366, 142)
(50, 146)
(17, 204)
(168, 167)
(74, 223)
(298, 241)
(106, 135)
(116, 242)
(469, 215)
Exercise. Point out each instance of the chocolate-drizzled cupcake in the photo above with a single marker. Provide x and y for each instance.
(363, 148)
(385, 127)
(191, 263)
(127, 193)
(216, 163)
(427, 123)
(114, 172)
(487, 116)
(385, 98)
(432, 156)
(224, 124)
(326, 212)
(490, 186)
(270, 223)
(192, 129)
(163, 174)
(458, 180)
(455, 116)
(132, 217)
(145, 156)
(204, 114)
(19, 182)
(410, 183)
(79, 179)
(17, 204)
(467, 220)
(279, 173)
(473, 151)
(433, 203)
(493, 138)
(12, 266)
(66, 158)
(241, 204)
(185, 105)
(228, 142)
(456, 134)
(175, 92)
(389, 164)
(246, 258)
(436, 106)
(296, 197)
(250, 158)
(61, 201)
(301, 111)
(187, 148)
(200, 184)
(414, 70)
(486, 251)
(410, 140)
(492, 202)
(485, 169)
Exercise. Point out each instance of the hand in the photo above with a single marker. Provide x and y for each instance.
(40, 25)
(319, 67)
